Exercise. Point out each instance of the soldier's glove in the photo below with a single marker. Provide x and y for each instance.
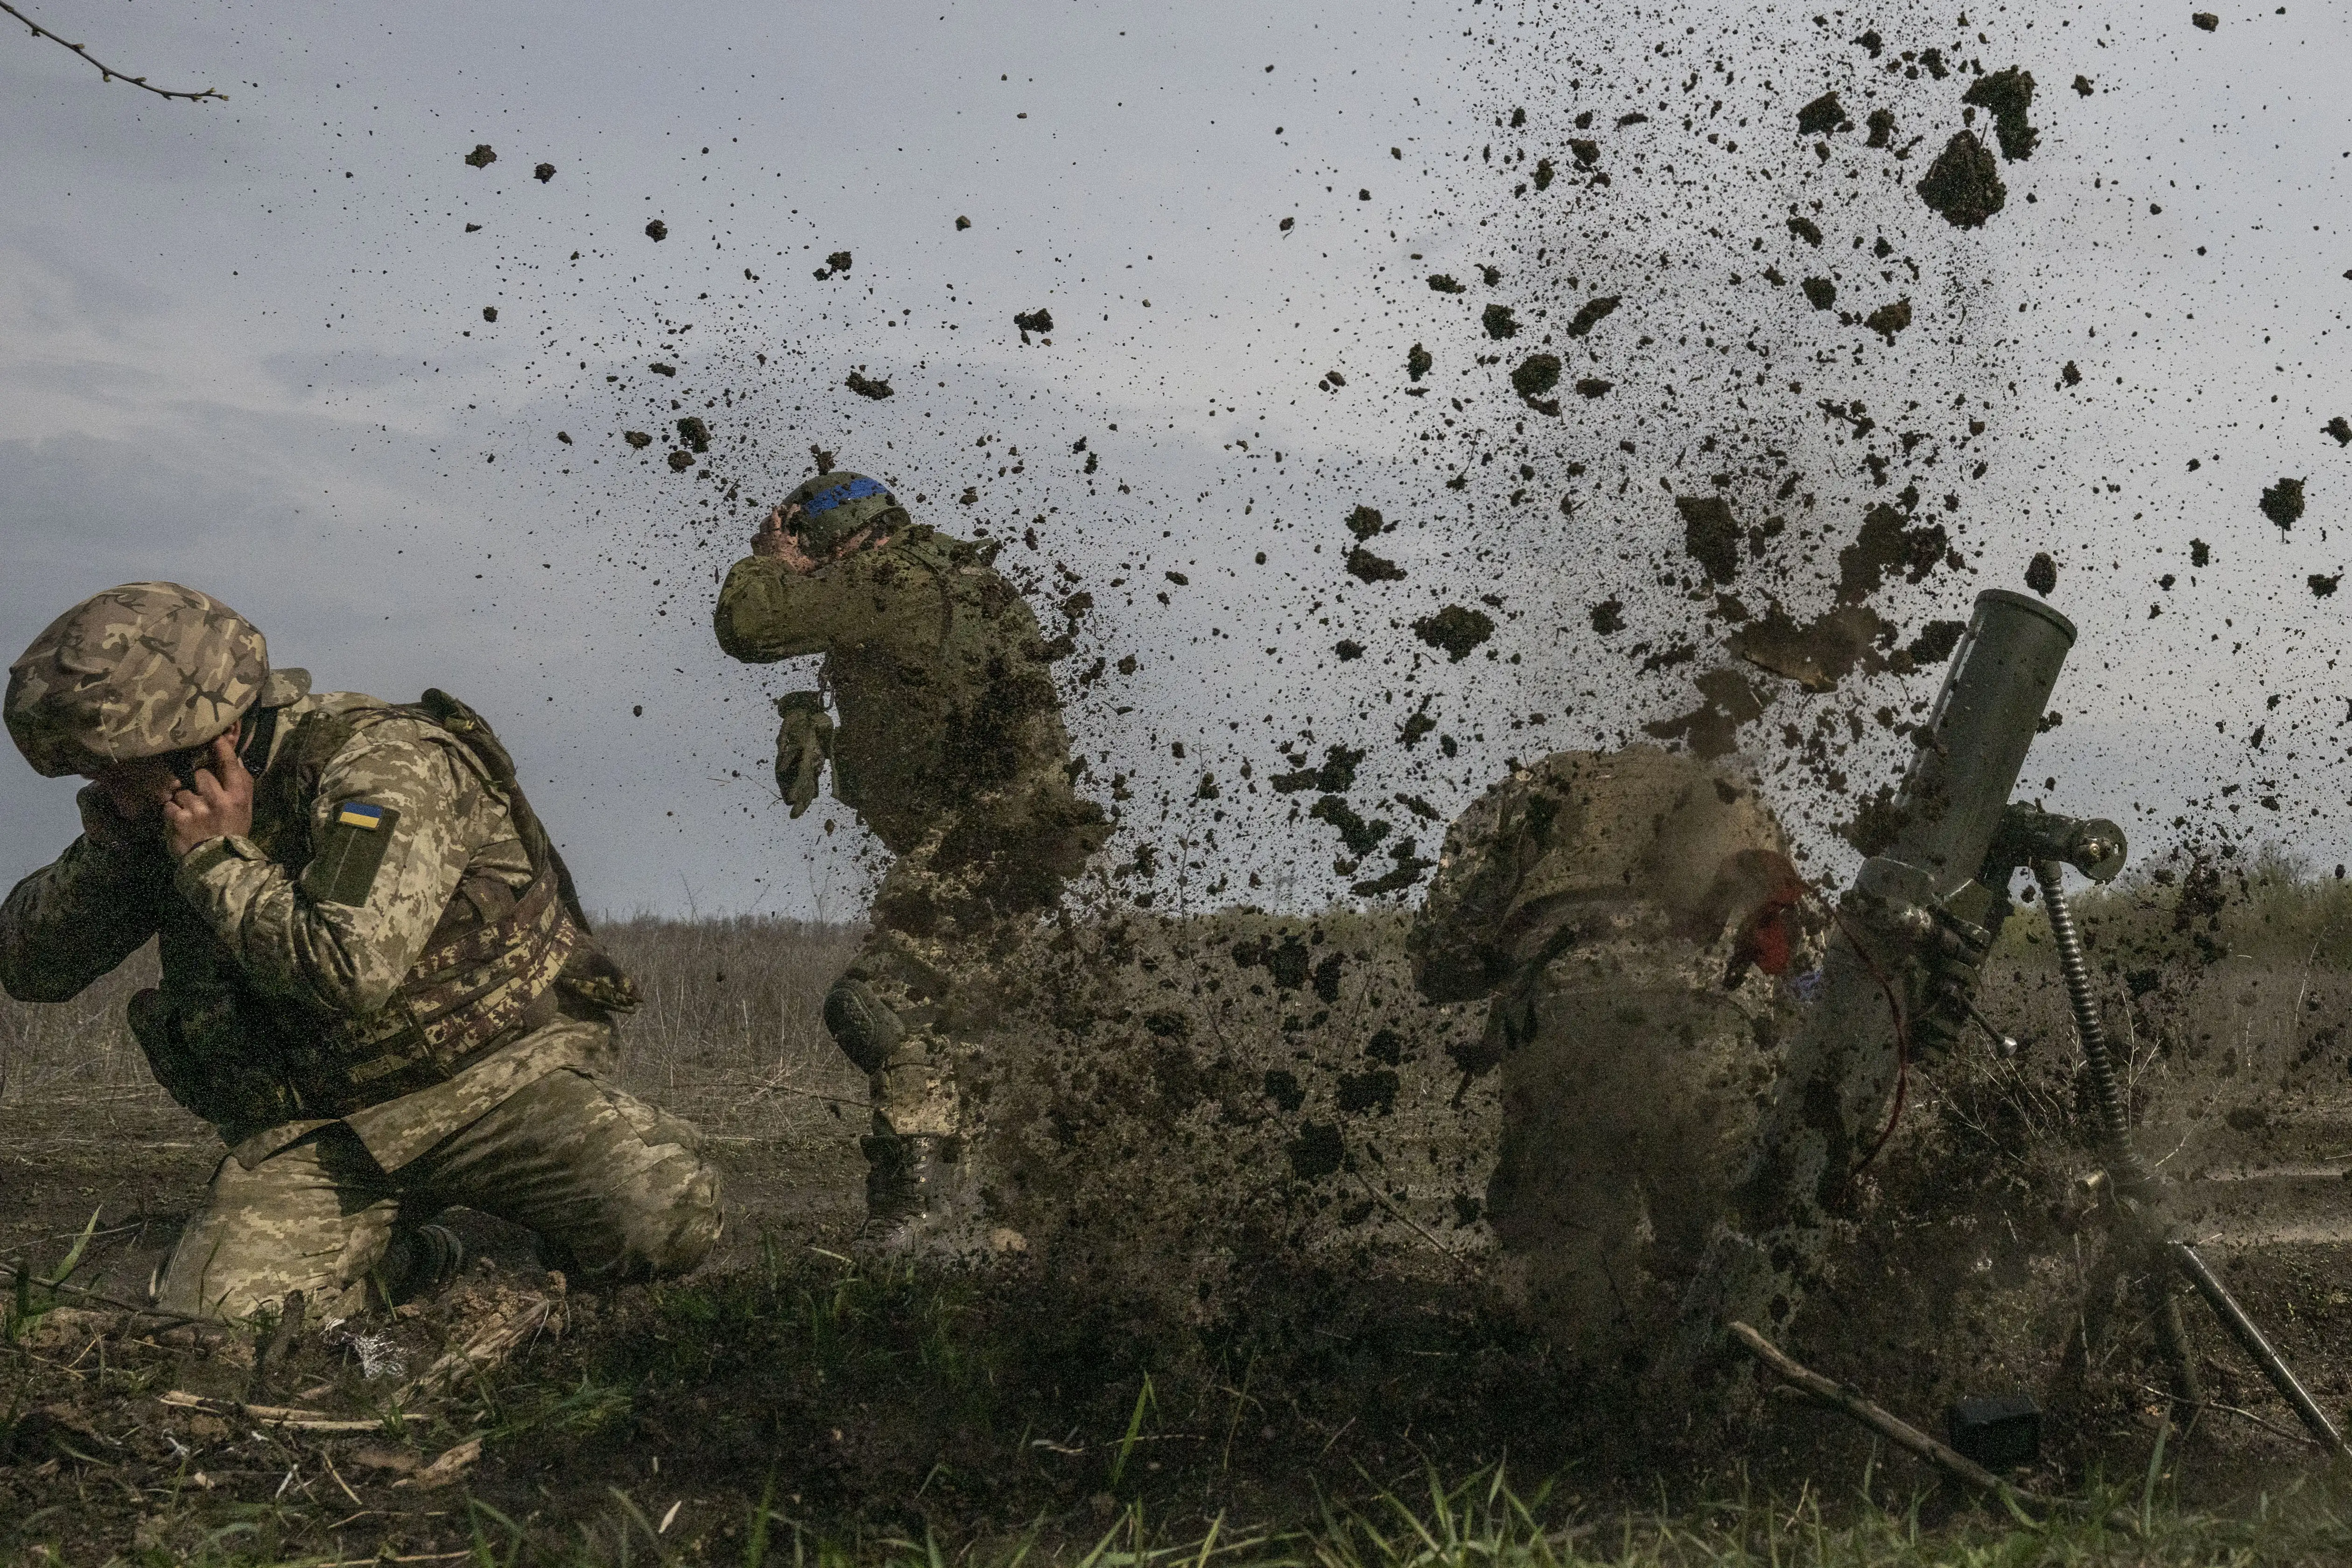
(1951, 961)
(804, 745)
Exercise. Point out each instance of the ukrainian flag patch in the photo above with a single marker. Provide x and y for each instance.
(349, 853)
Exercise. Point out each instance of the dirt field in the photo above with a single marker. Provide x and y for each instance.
(1214, 1323)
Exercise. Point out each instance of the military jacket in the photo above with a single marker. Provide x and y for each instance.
(381, 935)
(943, 683)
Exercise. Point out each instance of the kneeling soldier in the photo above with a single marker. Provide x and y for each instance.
(377, 981)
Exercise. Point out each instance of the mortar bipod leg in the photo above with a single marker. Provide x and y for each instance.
(2137, 1187)
(2132, 1181)
(2250, 1338)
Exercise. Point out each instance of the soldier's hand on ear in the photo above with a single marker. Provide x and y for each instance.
(220, 806)
(775, 541)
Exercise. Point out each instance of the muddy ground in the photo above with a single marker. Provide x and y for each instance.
(1260, 1329)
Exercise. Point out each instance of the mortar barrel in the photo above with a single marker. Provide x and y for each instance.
(1976, 735)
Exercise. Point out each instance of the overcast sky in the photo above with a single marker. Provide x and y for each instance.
(244, 345)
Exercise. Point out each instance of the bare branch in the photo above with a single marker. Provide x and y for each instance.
(105, 71)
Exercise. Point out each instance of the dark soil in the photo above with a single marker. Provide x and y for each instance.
(1367, 567)
(1710, 535)
(2008, 94)
(1444, 284)
(1815, 654)
(1536, 374)
(1806, 229)
(2042, 573)
(1365, 522)
(1821, 291)
(1499, 321)
(1964, 182)
(544, 172)
(656, 230)
(2340, 429)
(1821, 116)
(481, 157)
(1039, 321)
(1456, 629)
(859, 384)
(1417, 362)
(1888, 319)
(1591, 313)
(2282, 503)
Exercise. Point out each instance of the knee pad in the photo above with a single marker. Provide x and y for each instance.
(862, 1024)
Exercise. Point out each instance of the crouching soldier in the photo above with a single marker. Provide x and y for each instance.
(950, 748)
(377, 983)
(1629, 913)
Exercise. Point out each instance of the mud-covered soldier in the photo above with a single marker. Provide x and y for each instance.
(950, 745)
(376, 981)
(1630, 913)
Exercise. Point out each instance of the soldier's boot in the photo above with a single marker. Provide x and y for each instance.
(421, 1262)
(919, 1203)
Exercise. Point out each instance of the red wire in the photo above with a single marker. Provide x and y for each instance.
(1902, 1045)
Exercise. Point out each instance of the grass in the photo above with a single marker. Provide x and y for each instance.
(1325, 1406)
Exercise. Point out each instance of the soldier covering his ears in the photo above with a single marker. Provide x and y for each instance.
(377, 981)
(951, 747)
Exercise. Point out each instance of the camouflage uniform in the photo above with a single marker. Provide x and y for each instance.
(951, 747)
(1627, 911)
(385, 997)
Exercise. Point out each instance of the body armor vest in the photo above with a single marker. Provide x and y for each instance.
(497, 964)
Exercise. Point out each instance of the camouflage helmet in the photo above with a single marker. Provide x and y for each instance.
(136, 671)
(836, 506)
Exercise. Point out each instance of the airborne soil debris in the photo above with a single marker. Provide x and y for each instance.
(859, 384)
(2282, 503)
(1815, 654)
(1456, 629)
(1039, 320)
(1366, 523)
(1821, 291)
(1590, 313)
(2322, 585)
(1806, 229)
(1536, 374)
(2008, 94)
(694, 433)
(1712, 730)
(1889, 319)
(2340, 429)
(1593, 386)
(1417, 362)
(1367, 567)
(656, 230)
(2205, 20)
(1499, 321)
(1882, 128)
(1821, 116)
(1444, 284)
(2042, 573)
(481, 157)
(1710, 535)
(1964, 182)
(636, 438)
(544, 174)
(1609, 617)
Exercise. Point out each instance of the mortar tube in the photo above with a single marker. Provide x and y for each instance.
(1842, 1067)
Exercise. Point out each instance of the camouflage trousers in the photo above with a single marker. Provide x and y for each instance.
(930, 978)
(616, 1187)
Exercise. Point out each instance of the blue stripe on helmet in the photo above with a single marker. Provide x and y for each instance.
(856, 490)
